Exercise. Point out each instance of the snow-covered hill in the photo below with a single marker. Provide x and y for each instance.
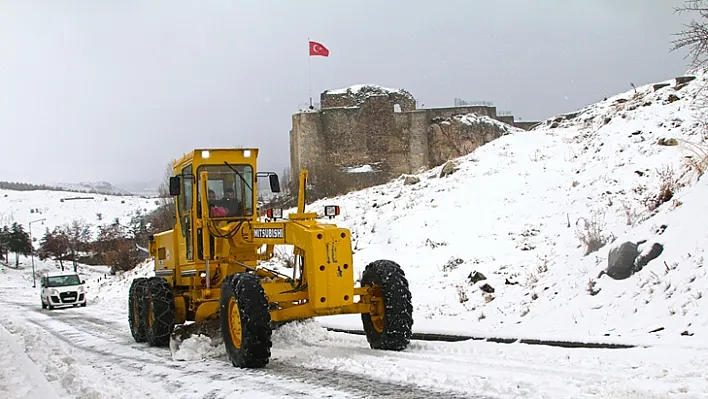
(102, 187)
(59, 207)
(495, 246)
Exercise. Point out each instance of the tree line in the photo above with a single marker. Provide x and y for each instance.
(120, 246)
(19, 186)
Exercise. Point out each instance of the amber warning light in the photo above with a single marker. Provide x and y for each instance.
(274, 213)
(331, 211)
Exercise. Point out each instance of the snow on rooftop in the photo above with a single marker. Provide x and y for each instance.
(60, 273)
(355, 89)
(474, 119)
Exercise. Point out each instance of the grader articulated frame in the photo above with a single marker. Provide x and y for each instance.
(208, 271)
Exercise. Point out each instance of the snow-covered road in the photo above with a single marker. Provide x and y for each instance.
(89, 353)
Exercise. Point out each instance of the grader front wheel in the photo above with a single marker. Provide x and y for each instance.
(245, 321)
(389, 325)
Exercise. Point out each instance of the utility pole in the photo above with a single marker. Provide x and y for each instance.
(34, 279)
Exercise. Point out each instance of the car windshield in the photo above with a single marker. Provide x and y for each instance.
(61, 281)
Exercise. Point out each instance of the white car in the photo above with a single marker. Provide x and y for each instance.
(62, 289)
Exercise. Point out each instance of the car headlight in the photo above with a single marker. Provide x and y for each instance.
(53, 292)
(81, 288)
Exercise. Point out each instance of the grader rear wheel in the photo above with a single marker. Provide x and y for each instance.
(245, 321)
(135, 309)
(389, 325)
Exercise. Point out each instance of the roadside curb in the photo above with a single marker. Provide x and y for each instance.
(527, 341)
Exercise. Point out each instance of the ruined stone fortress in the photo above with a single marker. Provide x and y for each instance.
(367, 135)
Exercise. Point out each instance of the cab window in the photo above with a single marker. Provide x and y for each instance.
(230, 192)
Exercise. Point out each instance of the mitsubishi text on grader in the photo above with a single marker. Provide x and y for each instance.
(208, 267)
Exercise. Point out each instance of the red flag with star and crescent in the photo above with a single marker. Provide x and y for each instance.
(317, 49)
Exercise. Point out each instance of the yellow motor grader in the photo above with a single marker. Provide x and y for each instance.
(208, 268)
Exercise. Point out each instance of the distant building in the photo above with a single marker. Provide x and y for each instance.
(366, 135)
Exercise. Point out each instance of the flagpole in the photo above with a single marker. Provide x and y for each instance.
(309, 69)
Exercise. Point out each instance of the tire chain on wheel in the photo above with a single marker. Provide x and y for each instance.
(136, 292)
(256, 331)
(398, 313)
(159, 293)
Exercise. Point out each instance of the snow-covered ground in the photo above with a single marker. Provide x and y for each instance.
(89, 353)
(511, 212)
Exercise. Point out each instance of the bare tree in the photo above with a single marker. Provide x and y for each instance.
(164, 189)
(286, 182)
(695, 34)
(163, 218)
(78, 234)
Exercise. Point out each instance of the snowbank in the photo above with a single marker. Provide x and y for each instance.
(21, 378)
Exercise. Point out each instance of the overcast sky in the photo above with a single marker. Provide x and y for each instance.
(113, 90)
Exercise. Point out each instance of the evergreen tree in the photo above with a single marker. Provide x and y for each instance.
(4, 243)
(20, 243)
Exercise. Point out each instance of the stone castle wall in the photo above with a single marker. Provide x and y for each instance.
(359, 138)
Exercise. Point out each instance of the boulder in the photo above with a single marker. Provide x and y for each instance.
(620, 261)
(659, 86)
(684, 79)
(411, 180)
(670, 142)
(648, 255)
(629, 258)
(449, 168)
(476, 277)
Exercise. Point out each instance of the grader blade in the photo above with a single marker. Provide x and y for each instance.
(210, 329)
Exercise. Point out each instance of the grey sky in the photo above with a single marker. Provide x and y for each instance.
(113, 90)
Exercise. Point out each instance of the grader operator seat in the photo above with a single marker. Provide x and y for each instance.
(231, 202)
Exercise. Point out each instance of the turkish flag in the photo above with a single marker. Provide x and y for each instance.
(318, 49)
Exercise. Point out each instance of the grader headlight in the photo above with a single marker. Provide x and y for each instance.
(331, 211)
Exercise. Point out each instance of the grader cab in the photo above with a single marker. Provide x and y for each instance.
(209, 276)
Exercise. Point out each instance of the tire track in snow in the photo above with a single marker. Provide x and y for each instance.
(292, 371)
(174, 376)
(101, 338)
(364, 385)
